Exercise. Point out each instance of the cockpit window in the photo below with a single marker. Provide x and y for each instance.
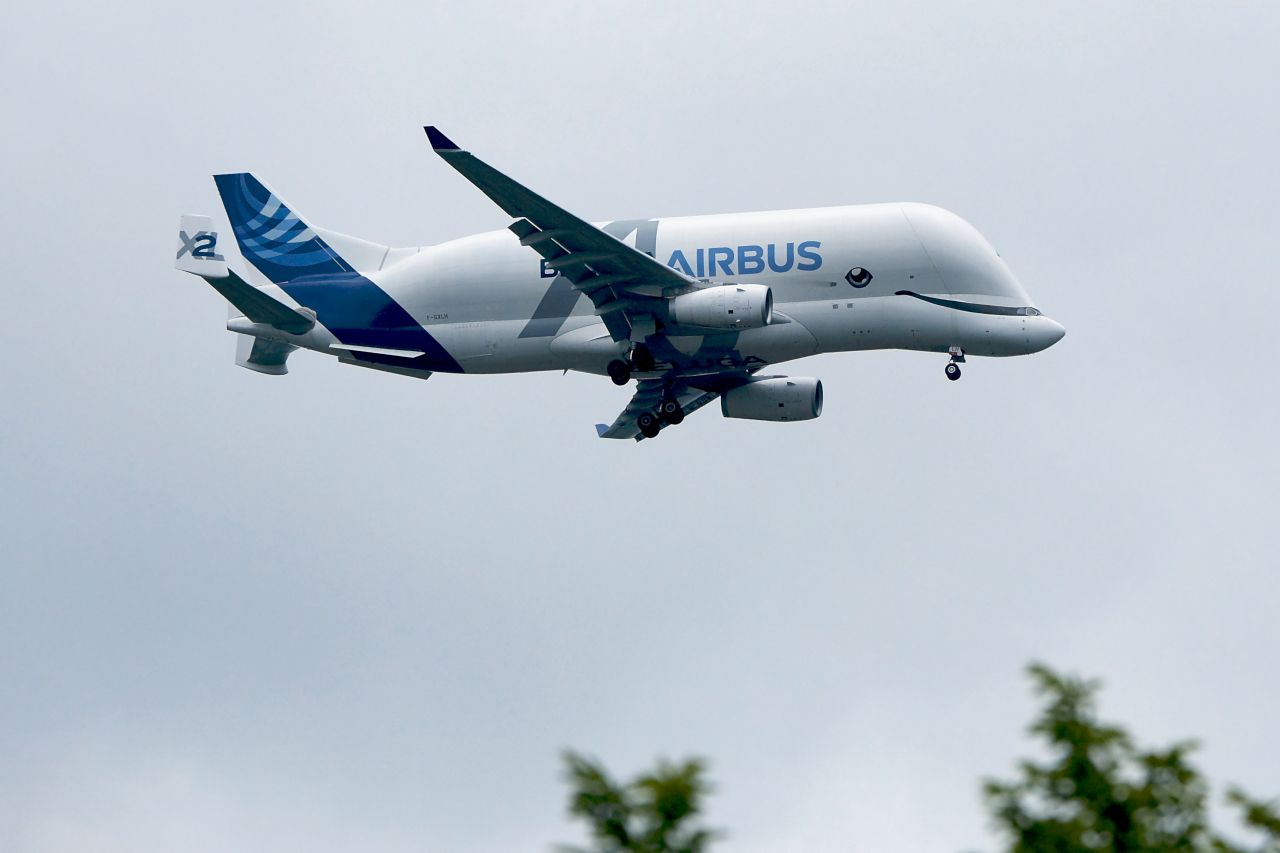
(1031, 312)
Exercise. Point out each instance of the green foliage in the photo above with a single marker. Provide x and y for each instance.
(654, 813)
(1262, 818)
(1101, 794)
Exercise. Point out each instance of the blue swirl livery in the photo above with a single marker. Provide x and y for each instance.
(271, 236)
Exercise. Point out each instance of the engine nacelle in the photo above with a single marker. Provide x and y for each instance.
(729, 306)
(777, 398)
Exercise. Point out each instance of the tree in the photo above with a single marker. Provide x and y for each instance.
(1101, 794)
(654, 813)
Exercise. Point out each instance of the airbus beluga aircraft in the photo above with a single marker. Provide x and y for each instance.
(693, 308)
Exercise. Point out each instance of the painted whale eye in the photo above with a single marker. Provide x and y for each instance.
(858, 277)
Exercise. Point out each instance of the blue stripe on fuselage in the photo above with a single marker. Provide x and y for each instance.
(360, 313)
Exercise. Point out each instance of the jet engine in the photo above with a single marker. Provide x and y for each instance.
(730, 306)
(774, 398)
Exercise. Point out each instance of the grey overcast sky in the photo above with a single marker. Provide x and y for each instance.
(347, 611)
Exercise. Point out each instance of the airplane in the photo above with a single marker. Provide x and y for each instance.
(693, 308)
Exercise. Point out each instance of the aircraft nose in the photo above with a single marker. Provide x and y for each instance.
(1046, 333)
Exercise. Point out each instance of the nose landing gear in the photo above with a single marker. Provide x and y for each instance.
(953, 367)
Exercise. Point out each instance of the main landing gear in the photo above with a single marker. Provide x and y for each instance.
(953, 368)
(619, 371)
(641, 361)
(669, 410)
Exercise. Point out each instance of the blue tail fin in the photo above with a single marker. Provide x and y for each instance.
(271, 236)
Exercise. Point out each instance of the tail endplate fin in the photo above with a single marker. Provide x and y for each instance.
(198, 254)
(263, 356)
(198, 248)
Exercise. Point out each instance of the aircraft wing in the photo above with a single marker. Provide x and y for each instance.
(623, 283)
(649, 393)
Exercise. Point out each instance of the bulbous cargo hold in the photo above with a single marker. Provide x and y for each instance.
(730, 306)
(776, 398)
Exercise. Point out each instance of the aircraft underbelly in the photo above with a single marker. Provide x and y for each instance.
(495, 346)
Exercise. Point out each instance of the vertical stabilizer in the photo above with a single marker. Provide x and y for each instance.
(273, 237)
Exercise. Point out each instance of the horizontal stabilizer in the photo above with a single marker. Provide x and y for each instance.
(198, 254)
(259, 307)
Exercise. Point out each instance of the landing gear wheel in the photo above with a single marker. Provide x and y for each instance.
(642, 359)
(671, 411)
(619, 372)
(953, 371)
(649, 424)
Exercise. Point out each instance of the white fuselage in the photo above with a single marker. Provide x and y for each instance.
(491, 303)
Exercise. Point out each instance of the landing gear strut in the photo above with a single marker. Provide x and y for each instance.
(953, 368)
